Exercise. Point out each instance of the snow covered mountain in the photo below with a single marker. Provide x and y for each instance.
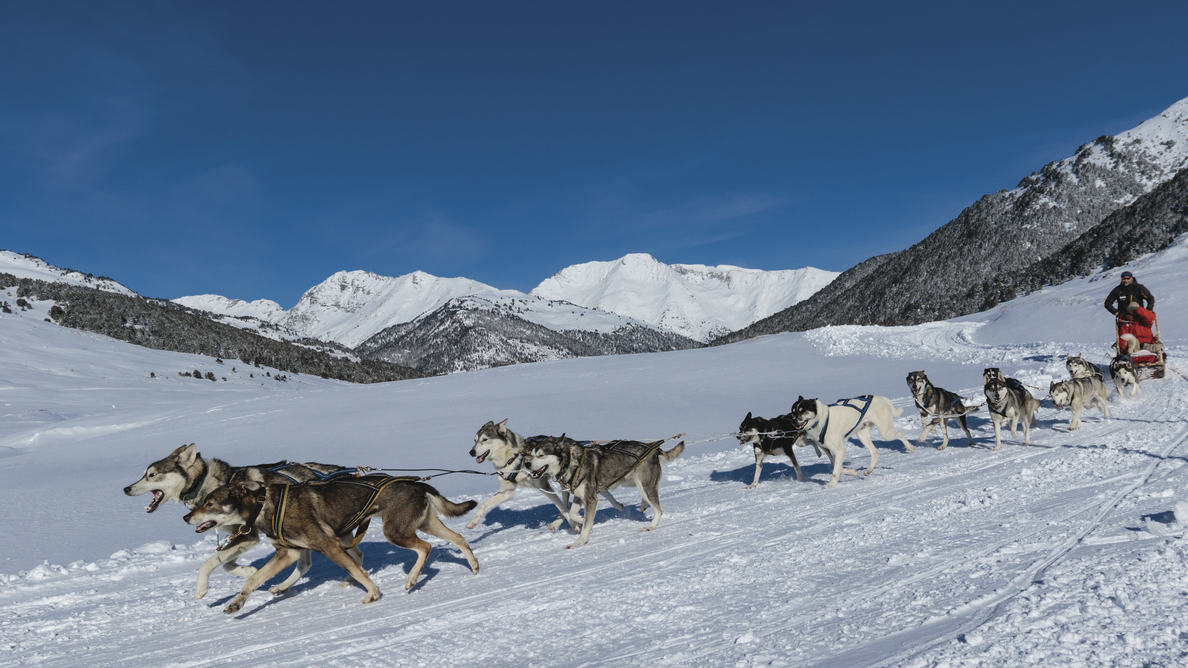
(693, 300)
(972, 262)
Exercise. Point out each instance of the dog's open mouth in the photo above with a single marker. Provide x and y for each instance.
(536, 473)
(205, 526)
(800, 426)
(1059, 405)
(483, 457)
(158, 497)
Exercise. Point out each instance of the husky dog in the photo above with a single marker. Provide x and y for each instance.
(762, 433)
(1079, 367)
(940, 405)
(313, 516)
(186, 477)
(1078, 393)
(1124, 373)
(830, 427)
(588, 470)
(508, 452)
(1009, 402)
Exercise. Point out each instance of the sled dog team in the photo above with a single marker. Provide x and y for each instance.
(327, 509)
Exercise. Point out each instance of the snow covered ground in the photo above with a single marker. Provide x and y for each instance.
(1069, 551)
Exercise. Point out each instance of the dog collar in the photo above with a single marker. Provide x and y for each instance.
(192, 493)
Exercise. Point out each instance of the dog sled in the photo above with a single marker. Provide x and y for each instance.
(1149, 359)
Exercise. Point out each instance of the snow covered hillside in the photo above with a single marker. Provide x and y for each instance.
(692, 300)
(22, 265)
(1069, 551)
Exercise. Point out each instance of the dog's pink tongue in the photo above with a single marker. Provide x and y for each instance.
(482, 458)
(205, 526)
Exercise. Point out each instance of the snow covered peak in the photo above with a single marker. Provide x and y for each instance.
(262, 309)
(351, 306)
(23, 265)
(693, 300)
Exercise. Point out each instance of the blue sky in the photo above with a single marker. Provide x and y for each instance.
(253, 149)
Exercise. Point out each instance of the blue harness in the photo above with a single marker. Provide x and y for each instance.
(279, 469)
(864, 406)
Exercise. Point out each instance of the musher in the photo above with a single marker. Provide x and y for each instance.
(1134, 329)
(1128, 291)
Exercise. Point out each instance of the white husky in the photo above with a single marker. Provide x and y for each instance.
(830, 427)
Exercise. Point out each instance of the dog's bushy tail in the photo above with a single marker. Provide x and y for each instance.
(449, 508)
(669, 455)
(897, 411)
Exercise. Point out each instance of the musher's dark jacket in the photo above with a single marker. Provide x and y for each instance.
(1124, 294)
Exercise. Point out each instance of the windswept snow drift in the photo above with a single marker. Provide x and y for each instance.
(1069, 551)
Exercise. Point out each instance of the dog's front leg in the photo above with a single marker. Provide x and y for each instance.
(591, 507)
(836, 454)
(944, 430)
(927, 427)
(998, 433)
(759, 455)
(507, 491)
(283, 557)
(226, 558)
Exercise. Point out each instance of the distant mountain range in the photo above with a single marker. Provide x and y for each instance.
(442, 325)
(1116, 198)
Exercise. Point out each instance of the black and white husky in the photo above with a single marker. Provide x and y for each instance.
(771, 437)
(1124, 372)
(937, 407)
(1078, 393)
(508, 452)
(1008, 402)
(830, 427)
(186, 477)
(1079, 367)
(587, 470)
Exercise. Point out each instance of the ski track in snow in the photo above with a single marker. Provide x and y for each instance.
(1062, 552)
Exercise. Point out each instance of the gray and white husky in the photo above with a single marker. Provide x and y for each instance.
(937, 407)
(508, 452)
(1124, 372)
(1009, 402)
(186, 477)
(1079, 367)
(589, 470)
(1078, 393)
(830, 427)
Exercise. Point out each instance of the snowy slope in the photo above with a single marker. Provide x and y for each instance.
(261, 309)
(1066, 552)
(23, 265)
(693, 300)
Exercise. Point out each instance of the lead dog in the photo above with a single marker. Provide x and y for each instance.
(1079, 367)
(1078, 393)
(186, 477)
(830, 426)
(588, 470)
(1009, 402)
(770, 437)
(507, 451)
(318, 515)
(1124, 372)
(939, 405)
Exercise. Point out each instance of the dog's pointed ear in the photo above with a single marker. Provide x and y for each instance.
(250, 486)
(187, 454)
(748, 417)
(800, 399)
(502, 426)
(490, 423)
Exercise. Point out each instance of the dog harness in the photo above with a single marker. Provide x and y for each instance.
(928, 400)
(1012, 385)
(865, 401)
(279, 469)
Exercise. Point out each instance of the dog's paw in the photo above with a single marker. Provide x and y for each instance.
(941, 447)
(235, 606)
(749, 487)
(556, 524)
(199, 593)
(372, 597)
(277, 590)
